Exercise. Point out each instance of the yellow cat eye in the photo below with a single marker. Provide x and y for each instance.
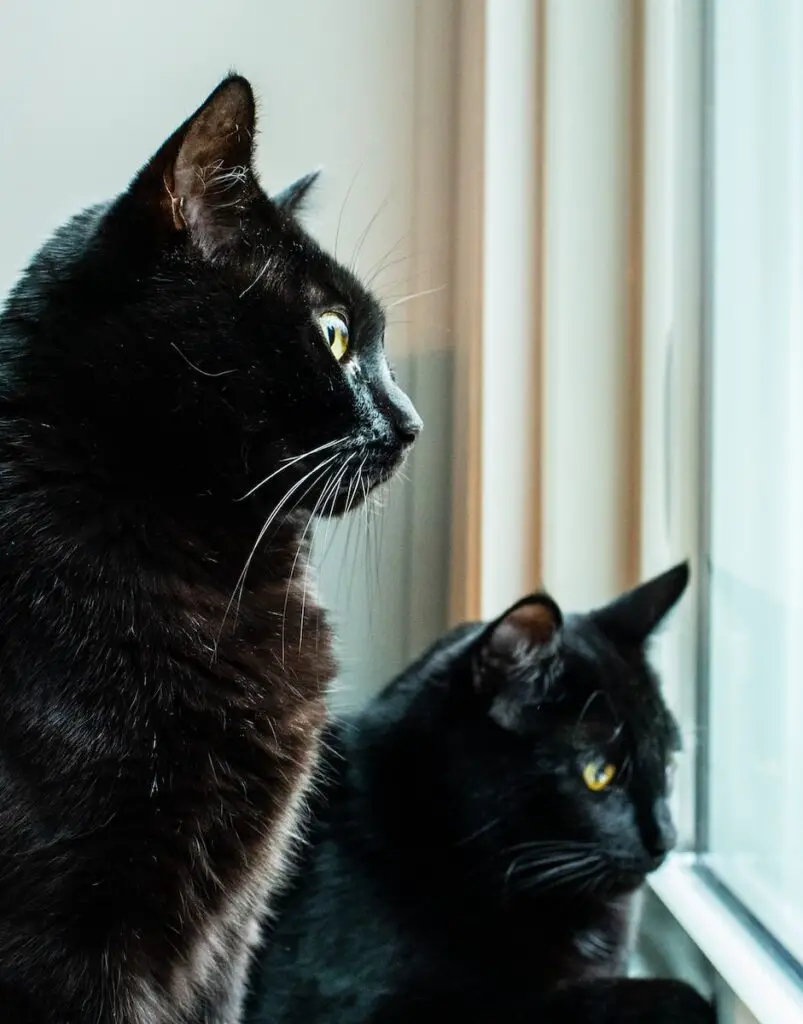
(336, 332)
(598, 775)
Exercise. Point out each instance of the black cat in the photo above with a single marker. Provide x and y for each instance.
(486, 823)
(185, 377)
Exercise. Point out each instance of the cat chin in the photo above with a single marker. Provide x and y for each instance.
(349, 498)
(625, 883)
(355, 490)
(384, 473)
(631, 884)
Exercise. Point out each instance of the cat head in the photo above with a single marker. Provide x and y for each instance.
(564, 746)
(201, 338)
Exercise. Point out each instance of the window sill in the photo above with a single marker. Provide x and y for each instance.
(757, 978)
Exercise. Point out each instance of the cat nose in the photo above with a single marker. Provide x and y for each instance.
(657, 859)
(402, 415)
(662, 835)
(408, 426)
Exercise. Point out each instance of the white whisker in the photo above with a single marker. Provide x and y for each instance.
(361, 240)
(415, 295)
(334, 493)
(330, 483)
(240, 584)
(343, 207)
(291, 461)
(257, 279)
(192, 365)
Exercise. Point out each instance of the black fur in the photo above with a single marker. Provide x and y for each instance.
(460, 867)
(160, 707)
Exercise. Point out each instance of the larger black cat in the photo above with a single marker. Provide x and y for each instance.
(487, 821)
(185, 377)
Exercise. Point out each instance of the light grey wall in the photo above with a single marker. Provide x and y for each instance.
(362, 87)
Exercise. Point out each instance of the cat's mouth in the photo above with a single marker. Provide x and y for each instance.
(626, 881)
(351, 478)
(627, 875)
(364, 481)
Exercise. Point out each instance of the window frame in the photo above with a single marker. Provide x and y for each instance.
(762, 980)
(704, 721)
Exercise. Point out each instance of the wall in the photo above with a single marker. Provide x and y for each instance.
(362, 87)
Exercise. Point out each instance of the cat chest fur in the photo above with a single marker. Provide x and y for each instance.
(249, 762)
(171, 761)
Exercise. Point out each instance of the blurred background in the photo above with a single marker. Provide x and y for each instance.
(586, 219)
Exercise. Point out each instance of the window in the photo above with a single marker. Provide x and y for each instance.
(666, 307)
(722, 475)
(751, 793)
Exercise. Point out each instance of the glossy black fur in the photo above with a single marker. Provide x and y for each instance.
(460, 867)
(160, 707)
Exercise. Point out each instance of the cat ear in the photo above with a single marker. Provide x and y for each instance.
(293, 198)
(531, 622)
(528, 625)
(631, 617)
(200, 178)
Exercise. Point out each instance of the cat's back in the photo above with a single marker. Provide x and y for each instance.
(336, 911)
(401, 891)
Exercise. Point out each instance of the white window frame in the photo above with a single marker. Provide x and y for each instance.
(762, 987)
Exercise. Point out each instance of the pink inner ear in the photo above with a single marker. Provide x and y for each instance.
(533, 622)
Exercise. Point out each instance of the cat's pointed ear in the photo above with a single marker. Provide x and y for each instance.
(528, 626)
(292, 199)
(633, 616)
(199, 179)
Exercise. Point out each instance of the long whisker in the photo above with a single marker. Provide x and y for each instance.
(192, 365)
(552, 844)
(291, 461)
(551, 871)
(324, 491)
(415, 295)
(364, 235)
(554, 869)
(347, 558)
(570, 876)
(329, 518)
(321, 447)
(326, 512)
(334, 492)
(353, 486)
(525, 863)
(258, 278)
(385, 262)
(240, 584)
(327, 509)
(480, 831)
(343, 207)
(363, 527)
(370, 555)
(379, 532)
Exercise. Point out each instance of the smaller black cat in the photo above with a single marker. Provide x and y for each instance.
(488, 820)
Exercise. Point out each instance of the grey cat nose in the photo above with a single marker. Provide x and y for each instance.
(409, 425)
(402, 415)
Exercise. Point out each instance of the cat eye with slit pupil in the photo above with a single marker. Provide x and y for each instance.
(598, 775)
(335, 330)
